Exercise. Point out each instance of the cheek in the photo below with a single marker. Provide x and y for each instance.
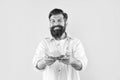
(63, 24)
(51, 24)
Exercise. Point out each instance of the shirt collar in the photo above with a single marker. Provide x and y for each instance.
(65, 36)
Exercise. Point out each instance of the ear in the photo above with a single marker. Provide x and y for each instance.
(50, 25)
(66, 23)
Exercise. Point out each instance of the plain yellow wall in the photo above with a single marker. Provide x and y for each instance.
(95, 22)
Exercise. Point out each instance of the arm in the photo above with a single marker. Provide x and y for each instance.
(70, 60)
(76, 64)
(79, 59)
(39, 60)
(41, 64)
(46, 61)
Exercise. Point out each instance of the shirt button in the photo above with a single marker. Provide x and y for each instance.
(59, 70)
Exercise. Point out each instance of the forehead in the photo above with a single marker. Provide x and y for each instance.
(58, 16)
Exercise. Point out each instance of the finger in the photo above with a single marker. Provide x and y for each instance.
(65, 61)
(65, 58)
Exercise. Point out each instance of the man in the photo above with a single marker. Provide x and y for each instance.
(60, 57)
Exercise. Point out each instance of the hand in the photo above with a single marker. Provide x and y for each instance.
(49, 60)
(65, 60)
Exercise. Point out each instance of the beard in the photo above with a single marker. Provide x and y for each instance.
(57, 31)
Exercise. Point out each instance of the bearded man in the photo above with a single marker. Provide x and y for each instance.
(60, 57)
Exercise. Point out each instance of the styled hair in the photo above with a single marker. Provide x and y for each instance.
(57, 11)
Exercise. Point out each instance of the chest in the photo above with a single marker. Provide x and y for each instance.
(61, 46)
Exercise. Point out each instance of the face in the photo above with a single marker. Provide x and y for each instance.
(57, 25)
(57, 20)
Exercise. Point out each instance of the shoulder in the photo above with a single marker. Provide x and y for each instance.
(75, 40)
(76, 44)
(46, 40)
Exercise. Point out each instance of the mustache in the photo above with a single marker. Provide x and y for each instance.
(57, 26)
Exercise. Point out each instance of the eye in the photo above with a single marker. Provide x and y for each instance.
(59, 20)
(52, 21)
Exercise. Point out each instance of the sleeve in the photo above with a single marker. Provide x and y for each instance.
(39, 53)
(79, 54)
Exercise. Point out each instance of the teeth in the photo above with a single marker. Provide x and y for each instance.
(56, 28)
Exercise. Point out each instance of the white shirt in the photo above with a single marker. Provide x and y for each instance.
(59, 70)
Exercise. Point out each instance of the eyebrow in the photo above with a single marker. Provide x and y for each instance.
(54, 18)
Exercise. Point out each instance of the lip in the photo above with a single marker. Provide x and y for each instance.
(56, 28)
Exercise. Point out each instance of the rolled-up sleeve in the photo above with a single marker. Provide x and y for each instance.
(39, 53)
(79, 54)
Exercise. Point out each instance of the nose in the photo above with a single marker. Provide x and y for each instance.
(56, 23)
